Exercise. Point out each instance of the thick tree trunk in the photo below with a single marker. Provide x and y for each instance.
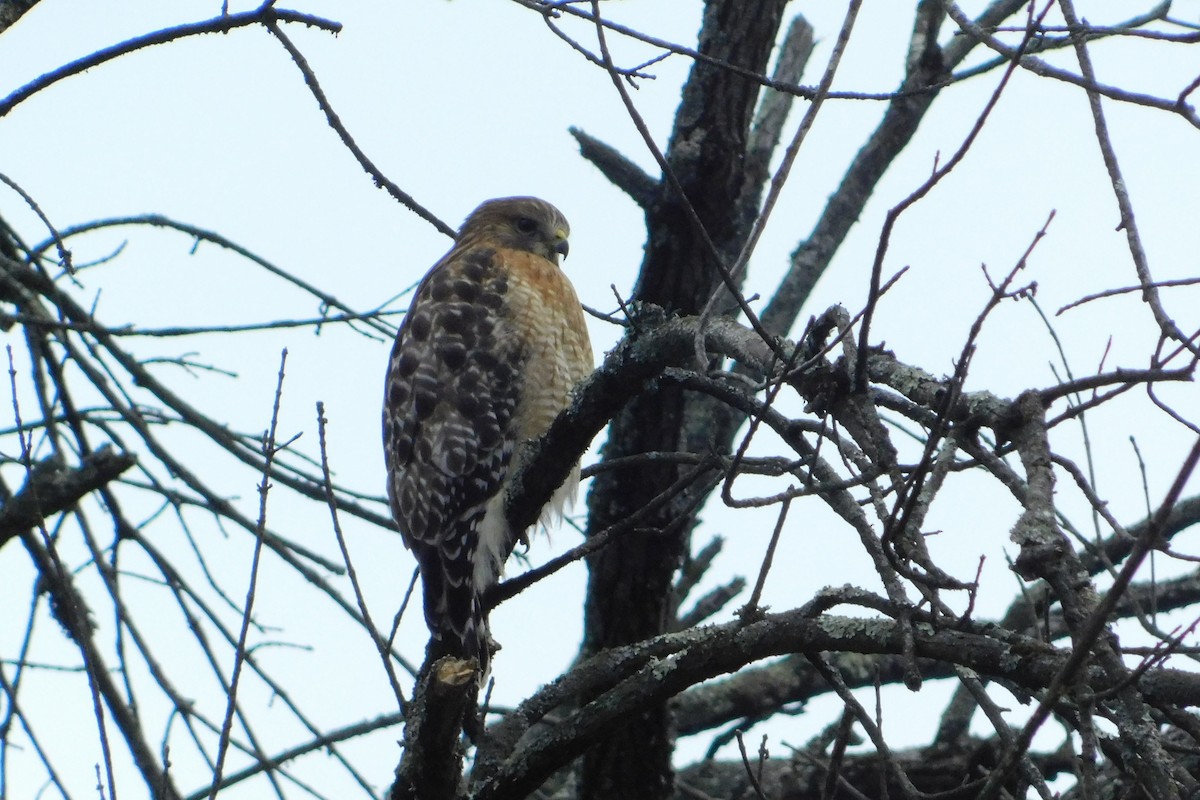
(629, 584)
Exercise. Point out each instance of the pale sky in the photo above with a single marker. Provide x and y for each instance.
(461, 101)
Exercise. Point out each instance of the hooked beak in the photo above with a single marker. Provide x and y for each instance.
(561, 246)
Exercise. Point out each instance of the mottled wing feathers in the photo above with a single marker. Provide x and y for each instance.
(453, 386)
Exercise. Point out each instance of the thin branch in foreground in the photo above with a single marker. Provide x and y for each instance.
(64, 255)
(893, 214)
(995, 715)
(199, 234)
(12, 711)
(751, 774)
(1126, 290)
(265, 14)
(268, 449)
(8, 320)
(752, 608)
(335, 122)
(873, 730)
(1041, 68)
(1128, 222)
(321, 742)
(381, 645)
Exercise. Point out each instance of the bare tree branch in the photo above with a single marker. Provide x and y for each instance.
(52, 488)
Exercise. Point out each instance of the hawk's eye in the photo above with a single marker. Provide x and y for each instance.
(526, 225)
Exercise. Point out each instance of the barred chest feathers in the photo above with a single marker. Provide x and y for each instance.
(543, 307)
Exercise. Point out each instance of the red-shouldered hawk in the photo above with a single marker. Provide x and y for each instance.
(486, 358)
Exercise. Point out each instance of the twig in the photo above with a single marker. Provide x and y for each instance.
(833, 770)
(64, 255)
(834, 678)
(331, 500)
(268, 449)
(751, 609)
(513, 586)
(864, 337)
(335, 122)
(1126, 290)
(263, 15)
(979, 33)
(1128, 222)
(750, 773)
(321, 742)
(328, 301)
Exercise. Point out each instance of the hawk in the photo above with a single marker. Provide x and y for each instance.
(485, 359)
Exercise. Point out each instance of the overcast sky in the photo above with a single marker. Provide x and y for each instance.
(461, 101)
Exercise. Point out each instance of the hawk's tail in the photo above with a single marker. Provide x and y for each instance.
(454, 614)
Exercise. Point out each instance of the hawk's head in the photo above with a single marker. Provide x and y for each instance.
(522, 223)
